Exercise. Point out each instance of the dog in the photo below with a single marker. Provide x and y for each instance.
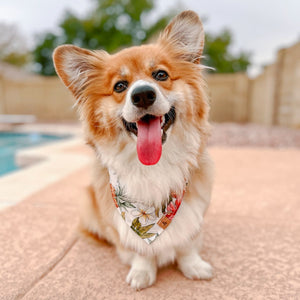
(144, 111)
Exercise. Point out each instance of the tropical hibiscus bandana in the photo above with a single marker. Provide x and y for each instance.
(147, 222)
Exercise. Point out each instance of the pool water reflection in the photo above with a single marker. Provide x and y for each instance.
(11, 142)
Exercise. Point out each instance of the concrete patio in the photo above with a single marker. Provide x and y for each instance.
(251, 237)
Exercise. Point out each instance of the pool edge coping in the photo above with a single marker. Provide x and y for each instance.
(48, 163)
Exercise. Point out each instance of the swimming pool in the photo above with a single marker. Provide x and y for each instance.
(11, 142)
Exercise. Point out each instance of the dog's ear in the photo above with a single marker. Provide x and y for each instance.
(76, 67)
(185, 33)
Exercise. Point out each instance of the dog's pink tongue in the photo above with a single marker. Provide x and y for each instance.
(149, 146)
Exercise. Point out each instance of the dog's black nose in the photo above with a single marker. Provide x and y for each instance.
(143, 96)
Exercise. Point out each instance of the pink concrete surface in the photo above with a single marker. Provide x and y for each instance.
(251, 238)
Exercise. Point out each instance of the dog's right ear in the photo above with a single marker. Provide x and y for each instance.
(76, 67)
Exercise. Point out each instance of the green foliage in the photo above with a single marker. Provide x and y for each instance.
(17, 59)
(218, 56)
(111, 25)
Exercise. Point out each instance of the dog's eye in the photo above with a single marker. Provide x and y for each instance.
(160, 75)
(120, 86)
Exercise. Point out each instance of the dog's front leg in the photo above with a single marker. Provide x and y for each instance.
(192, 265)
(142, 273)
(189, 260)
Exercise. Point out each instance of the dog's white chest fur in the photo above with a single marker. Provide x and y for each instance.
(151, 185)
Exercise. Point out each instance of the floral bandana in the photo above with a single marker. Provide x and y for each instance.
(147, 222)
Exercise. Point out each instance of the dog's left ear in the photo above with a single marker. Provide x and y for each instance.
(76, 66)
(185, 33)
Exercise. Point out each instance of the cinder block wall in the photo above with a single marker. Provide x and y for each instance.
(272, 98)
(287, 94)
(229, 96)
(262, 91)
(44, 97)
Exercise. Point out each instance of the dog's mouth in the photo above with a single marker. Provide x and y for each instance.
(166, 121)
(151, 132)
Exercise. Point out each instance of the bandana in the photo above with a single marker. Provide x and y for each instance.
(147, 222)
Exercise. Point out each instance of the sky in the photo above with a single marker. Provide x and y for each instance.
(260, 27)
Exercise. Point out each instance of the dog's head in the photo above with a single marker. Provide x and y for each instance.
(140, 94)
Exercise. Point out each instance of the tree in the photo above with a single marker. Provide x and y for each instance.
(218, 56)
(12, 46)
(112, 24)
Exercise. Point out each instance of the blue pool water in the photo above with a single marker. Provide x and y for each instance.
(10, 142)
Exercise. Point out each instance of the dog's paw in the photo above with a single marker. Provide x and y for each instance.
(140, 279)
(196, 268)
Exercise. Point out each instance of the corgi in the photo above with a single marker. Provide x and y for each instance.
(144, 111)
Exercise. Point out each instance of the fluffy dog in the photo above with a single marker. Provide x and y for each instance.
(145, 113)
